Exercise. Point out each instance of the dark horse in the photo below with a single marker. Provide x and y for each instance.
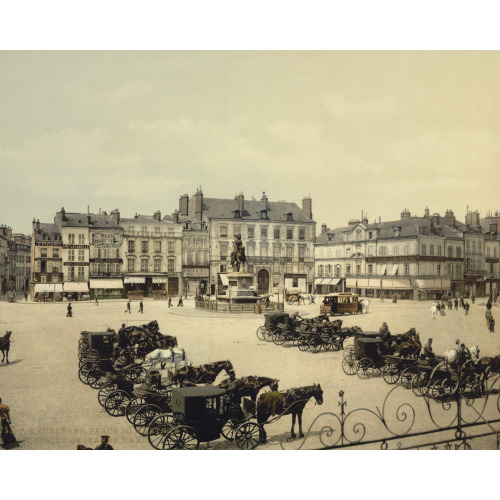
(5, 346)
(292, 402)
(204, 374)
(251, 385)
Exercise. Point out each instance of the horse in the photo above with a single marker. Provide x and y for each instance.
(251, 385)
(164, 356)
(204, 374)
(238, 256)
(292, 402)
(409, 349)
(5, 346)
(365, 306)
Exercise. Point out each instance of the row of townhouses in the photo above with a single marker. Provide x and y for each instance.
(14, 261)
(188, 252)
(413, 257)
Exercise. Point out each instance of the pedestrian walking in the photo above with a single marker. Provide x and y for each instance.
(462, 301)
(434, 311)
(492, 325)
(466, 307)
(180, 304)
(128, 306)
(456, 304)
(473, 298)
(420, 296)
(170, 302)
(9, 441)
(488, 316)
(450, 305)
(69, 314)
(96, 303)
(26, 296)
(141, 308)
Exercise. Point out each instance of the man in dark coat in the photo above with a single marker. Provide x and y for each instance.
(122, 337)
(70, 311)
(8, 439)
(104, 444)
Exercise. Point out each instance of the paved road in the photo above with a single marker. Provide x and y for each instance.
(52, 409)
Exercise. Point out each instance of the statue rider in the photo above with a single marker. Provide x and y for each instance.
(238, 256)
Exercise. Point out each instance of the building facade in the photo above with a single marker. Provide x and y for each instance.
(278, 237)
(152, 253)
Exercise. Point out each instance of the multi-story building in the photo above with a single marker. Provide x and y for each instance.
(23, 259)
(491, 227)
(4, 257)
(46, 281)
(406, 257)
(278, 236)
(14, 261)
(152, 252)
(195, 252)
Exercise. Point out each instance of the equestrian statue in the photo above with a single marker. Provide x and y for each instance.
(238, 256)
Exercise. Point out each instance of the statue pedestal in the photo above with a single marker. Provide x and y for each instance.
(239, 291)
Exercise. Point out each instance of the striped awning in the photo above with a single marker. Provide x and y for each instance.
(396, 284)
(134, 279)
(432, 283)
(224, 279)
(44, 287)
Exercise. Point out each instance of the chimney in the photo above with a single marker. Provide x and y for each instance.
(116, 215)
(365, 221)
(353, 222)
(89, 219)
(241, 203)
(265, 201)
(472, 218)
(307, 207)
(450, 218)
(323, 228)
(63, 214)
(184, 204)
(426, 212)
(405, 214)
(198, 205)
(175, 217)
(157, 216)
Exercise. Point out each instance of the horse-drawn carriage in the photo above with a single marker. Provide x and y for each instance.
(203, 414)
(340, 303)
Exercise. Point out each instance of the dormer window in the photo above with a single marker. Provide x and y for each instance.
(237, 214)
(263, 214)
(289, 216)
(397, 231)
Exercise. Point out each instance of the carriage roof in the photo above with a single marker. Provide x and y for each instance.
(202, 391)
(341, 294)
(367, 346)
(272, 319)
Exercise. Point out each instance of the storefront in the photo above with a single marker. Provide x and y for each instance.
(432, 288)
(76, 290)
(106, 288)
(46, 292)
(324, 286)
(297, 281)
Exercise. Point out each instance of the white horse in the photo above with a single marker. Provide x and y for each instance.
(163, 356)
(365, 306)
(452, 354)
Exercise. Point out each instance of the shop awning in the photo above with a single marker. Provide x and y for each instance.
(44, 287)
(374, 283)
(363, 282)
(396, 284)
(76, 286)
(350, 283)
(318, 281)
(394, 270)
(106, 283)
(58, 287)
(334, 281)
(134, 279)
(433, 283)
(159, 280)
(224, 279)
(382, 271)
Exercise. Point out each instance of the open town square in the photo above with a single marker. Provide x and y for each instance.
(52, 409)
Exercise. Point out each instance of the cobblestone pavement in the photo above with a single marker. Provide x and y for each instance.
(52, 409)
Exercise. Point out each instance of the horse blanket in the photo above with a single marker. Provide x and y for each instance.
(270, 403)
(175, 355)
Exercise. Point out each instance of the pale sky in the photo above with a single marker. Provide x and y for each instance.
(357, 131)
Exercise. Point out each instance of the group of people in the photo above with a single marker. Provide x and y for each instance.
(141, 307)
(440, 307)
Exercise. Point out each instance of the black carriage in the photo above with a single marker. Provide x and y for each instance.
(274, 325)
(202, 414)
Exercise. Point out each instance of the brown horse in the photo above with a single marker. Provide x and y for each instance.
(204, 374)
(5, 346)
(409, 349)
(251, 385)
(292, 403)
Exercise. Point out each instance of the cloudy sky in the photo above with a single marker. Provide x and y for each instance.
(357, 131)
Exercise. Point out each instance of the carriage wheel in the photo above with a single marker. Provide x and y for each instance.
(143, 418)
(158, 429)
(181, 437)
(167, 396)
(314, 345)
(336, 344)
(289, 339)
(348, 350)
(407, 376)
(449, 387)
(82, 358)
(350, 365)
(268, 335)
(96, 378)
(390, 372)
(303, 343)
(116, 403)
(420, 384)
(366, 368)
(83, 344)
(105, 391)
(436, 390)
(279, 337)
(136, 374)
(260, 332)
(84, 371)
(133, 407)
(248, 436)
(229, 429)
